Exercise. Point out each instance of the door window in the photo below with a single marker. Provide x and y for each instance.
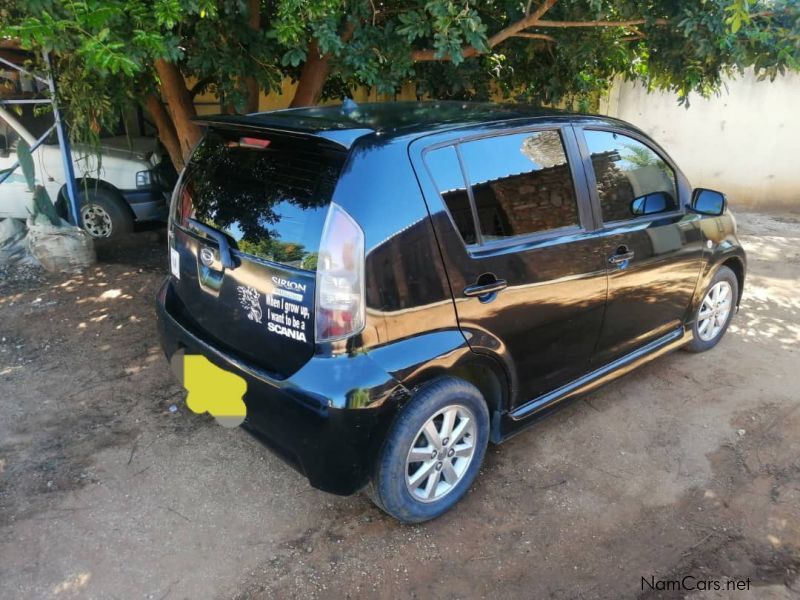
(446, 172)
(521, 184)
(632, 179)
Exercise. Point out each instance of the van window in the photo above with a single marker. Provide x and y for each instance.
(9, 135)
(269, 194)
(521, 183)
(446, 172)
(632, 179)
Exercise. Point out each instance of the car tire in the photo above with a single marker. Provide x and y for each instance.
(715, 311)
(416, 491)
(109, 216)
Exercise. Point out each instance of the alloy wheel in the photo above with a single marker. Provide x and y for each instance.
(714, 311)
(441, 453)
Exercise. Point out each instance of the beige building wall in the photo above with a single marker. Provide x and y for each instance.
(208, 104)
(745, 142)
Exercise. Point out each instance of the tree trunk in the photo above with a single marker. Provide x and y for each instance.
(253, 94)
(254, 23)
(316, 70)
(312, 78)
(166, 130)
(180, 105)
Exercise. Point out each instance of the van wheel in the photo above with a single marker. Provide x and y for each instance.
(715, 311)
(104, 215)
(433, 451)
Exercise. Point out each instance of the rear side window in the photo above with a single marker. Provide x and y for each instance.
(269, 194)
(521, 184)
(446, 172)
(632, 179)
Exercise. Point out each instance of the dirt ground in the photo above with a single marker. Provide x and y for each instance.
(690, 466)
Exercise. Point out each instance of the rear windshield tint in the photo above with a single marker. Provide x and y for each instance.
(269, 194)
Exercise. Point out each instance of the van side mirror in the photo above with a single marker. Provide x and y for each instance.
(708, 202)
(652, 204)
(3, 146)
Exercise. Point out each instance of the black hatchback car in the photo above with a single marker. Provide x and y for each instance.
(400, 284)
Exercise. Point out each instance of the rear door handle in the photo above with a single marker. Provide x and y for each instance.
(622, 255)
(222, 242)
(620, 258)
(484, 289)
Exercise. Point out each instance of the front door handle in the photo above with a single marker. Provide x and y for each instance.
(484, 289)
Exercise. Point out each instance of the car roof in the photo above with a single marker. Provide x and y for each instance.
(343, 124)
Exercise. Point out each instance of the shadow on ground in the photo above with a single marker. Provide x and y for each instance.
(688, 467)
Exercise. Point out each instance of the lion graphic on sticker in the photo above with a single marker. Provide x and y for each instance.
(249, 299)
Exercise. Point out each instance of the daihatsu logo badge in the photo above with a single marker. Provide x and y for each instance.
(207, 256)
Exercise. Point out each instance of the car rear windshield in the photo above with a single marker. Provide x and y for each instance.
(268, 193)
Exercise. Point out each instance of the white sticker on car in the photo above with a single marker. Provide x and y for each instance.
(250, 301)
(289, 319)
(175, 263)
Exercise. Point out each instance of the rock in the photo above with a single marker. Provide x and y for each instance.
(12, 242)
(61, 249)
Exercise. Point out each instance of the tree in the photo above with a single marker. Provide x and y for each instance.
(112, 53)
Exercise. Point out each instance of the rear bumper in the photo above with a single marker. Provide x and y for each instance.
(315, 419)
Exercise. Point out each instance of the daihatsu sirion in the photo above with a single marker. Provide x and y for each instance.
(400, 284)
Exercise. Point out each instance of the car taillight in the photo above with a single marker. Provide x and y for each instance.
(340, 278)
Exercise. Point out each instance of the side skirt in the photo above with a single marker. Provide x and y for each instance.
(523, 415)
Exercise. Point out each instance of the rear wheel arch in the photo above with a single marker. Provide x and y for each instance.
(485, 374)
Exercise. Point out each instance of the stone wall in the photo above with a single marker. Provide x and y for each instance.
(528, 203)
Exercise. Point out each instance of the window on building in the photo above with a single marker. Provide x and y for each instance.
(522, 184)
(632, 179)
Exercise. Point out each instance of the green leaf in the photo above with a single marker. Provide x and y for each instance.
(25, 160)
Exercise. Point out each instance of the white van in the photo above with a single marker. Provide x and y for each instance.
(131, 184)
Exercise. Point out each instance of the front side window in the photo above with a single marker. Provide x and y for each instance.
(632, 179)
(446, 172)
(521, 183)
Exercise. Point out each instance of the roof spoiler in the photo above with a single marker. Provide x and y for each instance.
(342, 137)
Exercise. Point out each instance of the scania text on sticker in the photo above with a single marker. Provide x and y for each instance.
(285, 331)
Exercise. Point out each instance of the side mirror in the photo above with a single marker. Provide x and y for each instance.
(652, 204)
(3, 146)
(708, 202)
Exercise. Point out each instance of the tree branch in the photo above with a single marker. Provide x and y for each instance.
(530, 20)
(535, 36)
(199, 85)
(628, 23)
(534, 19)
